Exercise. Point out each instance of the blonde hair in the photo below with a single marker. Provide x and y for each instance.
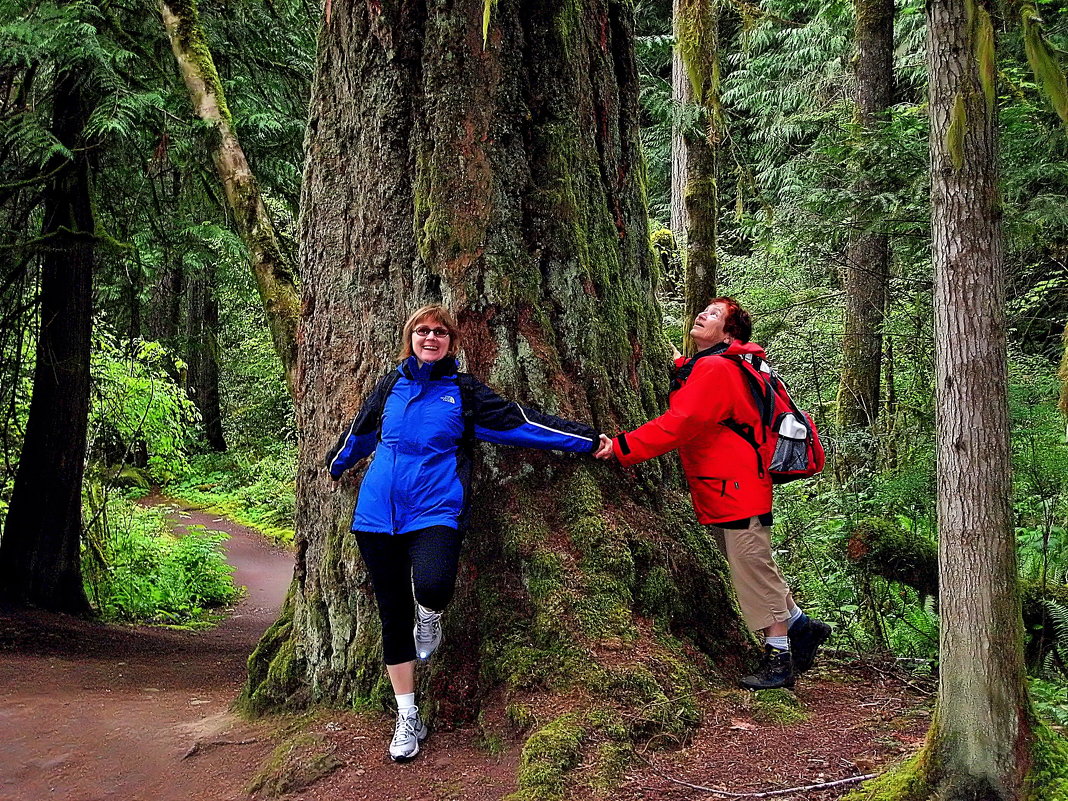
(437, 313)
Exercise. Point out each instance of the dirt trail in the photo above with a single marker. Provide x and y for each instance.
(90, 712)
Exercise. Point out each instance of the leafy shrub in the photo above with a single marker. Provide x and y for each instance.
(139, 412)
(136, 569)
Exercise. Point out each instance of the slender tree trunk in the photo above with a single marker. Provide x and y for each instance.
(979, 744)
(273, 270)
(518, 168)
(165, 314)
(202, 349)
(680, 96)
(698, 42)
(40, 563)
(868, 254)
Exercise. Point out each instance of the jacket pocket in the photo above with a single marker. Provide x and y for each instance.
(717, 485)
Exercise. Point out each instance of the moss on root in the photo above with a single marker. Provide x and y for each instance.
(547, 757)
(276, 674)
(922, 777)
(776, 706)
(297, 763)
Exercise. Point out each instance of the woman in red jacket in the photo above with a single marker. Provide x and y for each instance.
(727, 486)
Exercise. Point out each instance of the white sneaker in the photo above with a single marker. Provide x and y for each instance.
(427, 631)
(409, 733)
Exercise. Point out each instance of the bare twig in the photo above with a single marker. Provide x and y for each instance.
(765, 793)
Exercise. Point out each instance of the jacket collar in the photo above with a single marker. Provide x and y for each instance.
(431, 371)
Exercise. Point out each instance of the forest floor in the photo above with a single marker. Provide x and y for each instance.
(91, 712)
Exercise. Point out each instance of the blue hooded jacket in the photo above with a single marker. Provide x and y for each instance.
(415, 422)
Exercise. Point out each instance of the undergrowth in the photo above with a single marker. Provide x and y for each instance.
(255, 486)
(136, 569)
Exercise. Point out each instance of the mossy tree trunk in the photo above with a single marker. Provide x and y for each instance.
(680, 96)
(505, 181)
(980, 745)
(40, 553)
(272, 268)
(697, 33)
(867, 266)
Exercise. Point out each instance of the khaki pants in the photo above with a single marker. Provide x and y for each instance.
(762, 593)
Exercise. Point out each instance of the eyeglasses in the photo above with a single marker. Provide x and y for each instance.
(424, 331)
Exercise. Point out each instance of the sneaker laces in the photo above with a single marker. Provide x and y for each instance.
(405, 726)
(428, 623)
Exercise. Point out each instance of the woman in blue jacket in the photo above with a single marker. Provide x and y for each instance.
(409, 521)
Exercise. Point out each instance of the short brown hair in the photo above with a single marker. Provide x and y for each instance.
(738, 325)
(437, 313)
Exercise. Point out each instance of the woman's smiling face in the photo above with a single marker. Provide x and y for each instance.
(430, 340)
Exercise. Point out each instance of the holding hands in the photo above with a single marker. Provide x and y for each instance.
(605, 451)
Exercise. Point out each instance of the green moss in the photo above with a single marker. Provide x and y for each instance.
(276, 675)
(547, 756)
(776, 706)
(296, 764)
(520, 716)
(904, 782)
(191, 40)
(610, 764)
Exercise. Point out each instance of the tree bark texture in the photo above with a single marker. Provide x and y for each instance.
(680, 96)
(202, 355)
(981, 735)
(698, 42)
(505, 182)
(40, 563)
(868, 253)
(272, 268)
(165, 313)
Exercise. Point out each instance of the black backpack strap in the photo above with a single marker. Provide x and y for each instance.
(746, 432)
(763, 392)
(466, 384)
(384, 388)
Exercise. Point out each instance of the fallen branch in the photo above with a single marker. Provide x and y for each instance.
(764, 794)
(201, 745)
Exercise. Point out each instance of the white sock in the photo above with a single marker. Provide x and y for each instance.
(779, 643)
(405, 703)
(795, 613)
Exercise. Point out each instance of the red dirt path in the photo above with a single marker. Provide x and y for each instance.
(91, 712)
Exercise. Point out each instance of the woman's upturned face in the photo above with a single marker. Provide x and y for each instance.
(708, 326)
(430, 340)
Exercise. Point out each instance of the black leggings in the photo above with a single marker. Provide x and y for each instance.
(427, 559)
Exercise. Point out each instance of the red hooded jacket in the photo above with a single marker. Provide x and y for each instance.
(720, 466)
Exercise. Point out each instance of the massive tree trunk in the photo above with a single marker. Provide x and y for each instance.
(201, 352)
(271, 267)
(40, 562)
(506, 182)
(697, 32)
(868, 254)
(982, 741)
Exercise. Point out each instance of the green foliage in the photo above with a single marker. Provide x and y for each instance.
(254, 486)
(136, 570)
(138, 410)
(1050, 700)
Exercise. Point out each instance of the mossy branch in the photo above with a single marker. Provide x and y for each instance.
(1044, 64)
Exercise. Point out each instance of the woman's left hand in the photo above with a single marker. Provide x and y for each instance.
(605, 451)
